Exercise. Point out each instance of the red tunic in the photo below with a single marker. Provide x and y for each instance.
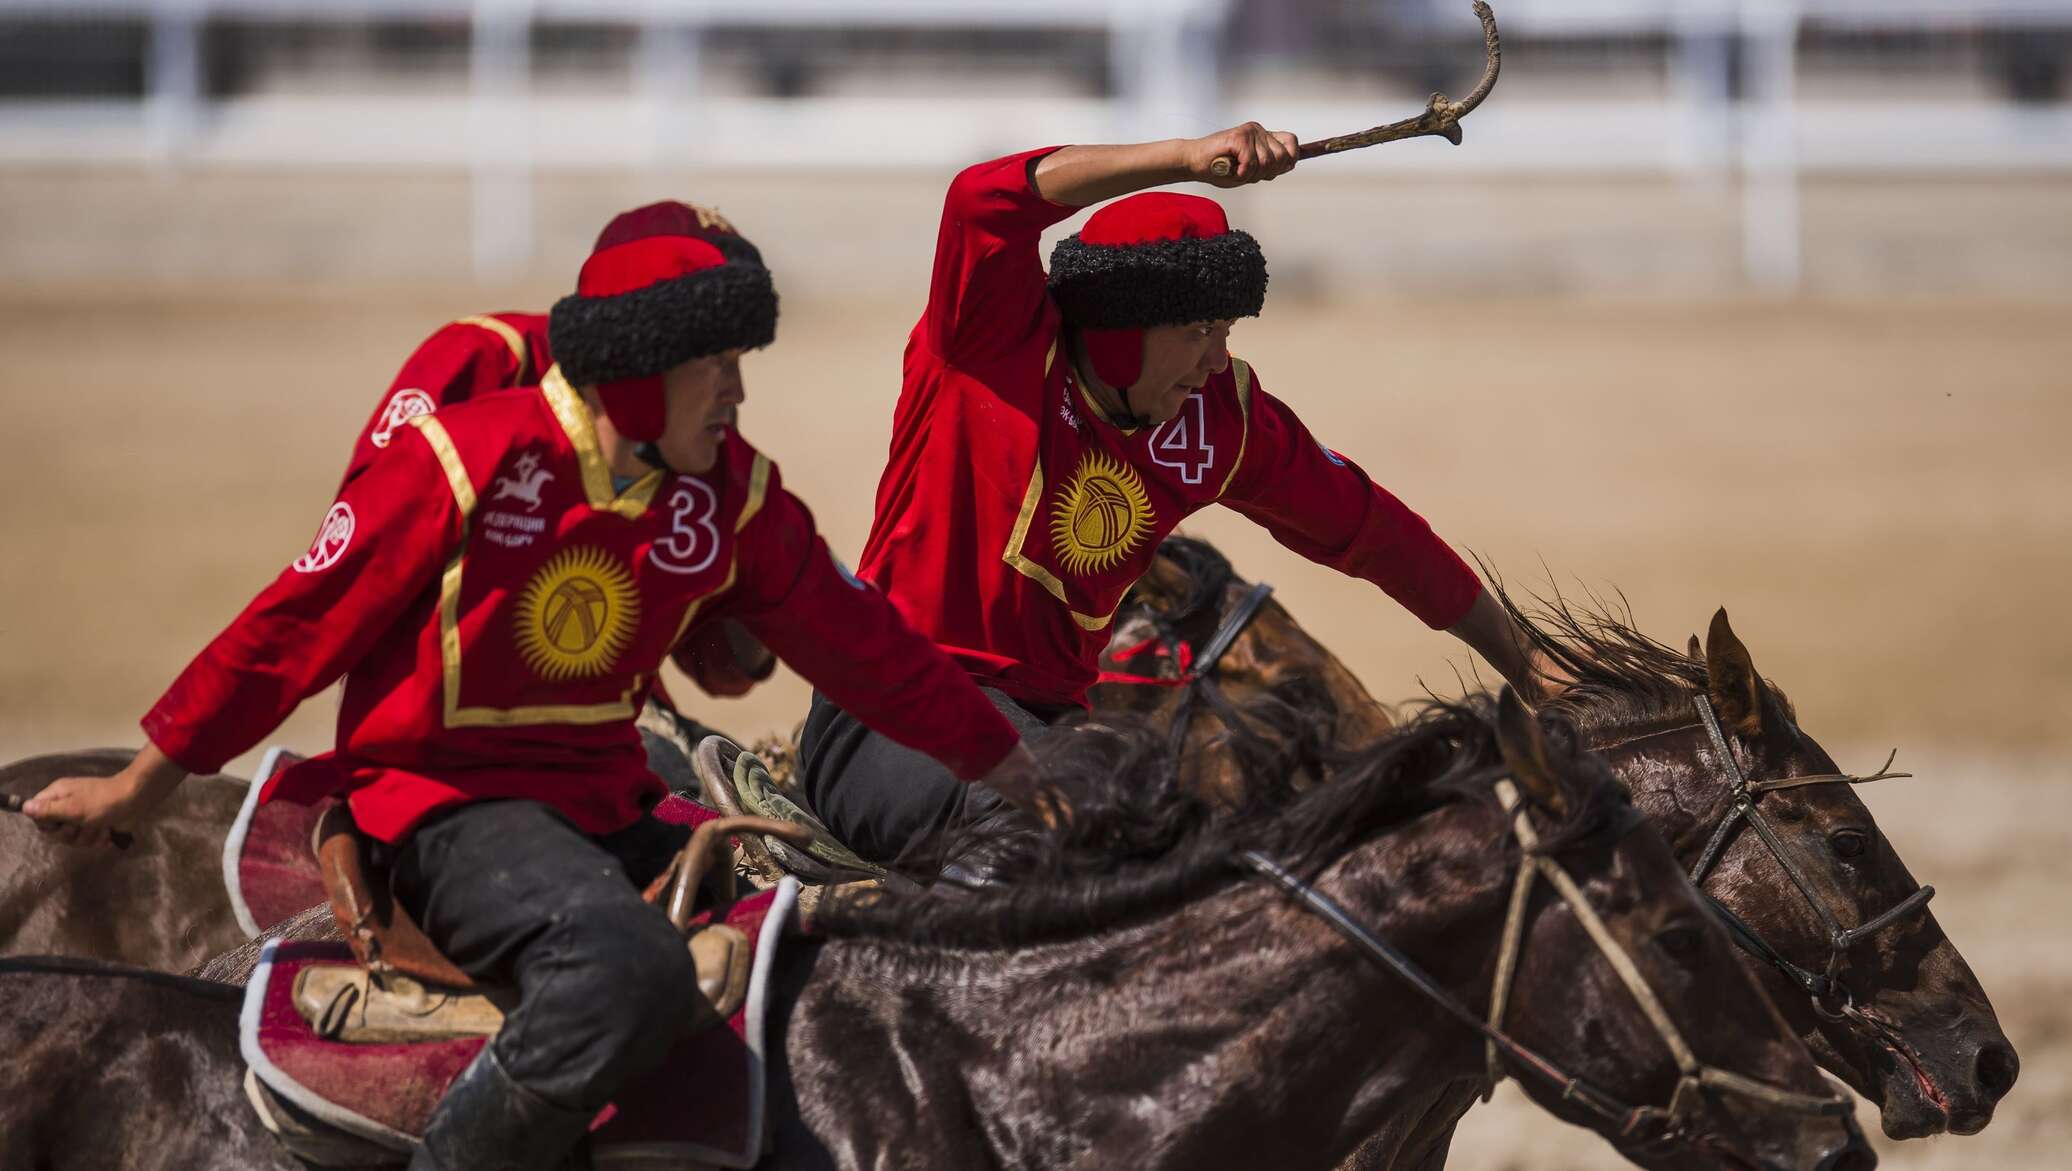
(1012, 517)
(497, 612)
(498, 351)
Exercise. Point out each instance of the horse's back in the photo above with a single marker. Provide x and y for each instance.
(114, 1066)
(159, 904)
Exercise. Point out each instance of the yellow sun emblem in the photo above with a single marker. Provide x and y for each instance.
(576, 614)
(1100, 516)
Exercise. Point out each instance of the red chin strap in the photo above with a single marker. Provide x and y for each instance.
(636, 406)
(1117, 355)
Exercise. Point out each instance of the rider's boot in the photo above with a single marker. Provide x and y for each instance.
(487, 1122)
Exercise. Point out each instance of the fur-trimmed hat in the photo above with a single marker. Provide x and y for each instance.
(652, 303)
(672, 218)
(1159, 258)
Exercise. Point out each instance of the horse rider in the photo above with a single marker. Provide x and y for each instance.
(496, 351)
(497, 587)
(1051, 430)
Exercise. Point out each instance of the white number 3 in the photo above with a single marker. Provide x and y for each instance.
(1182, 442)
(693, 540)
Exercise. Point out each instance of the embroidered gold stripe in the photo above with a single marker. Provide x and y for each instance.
(512, 338)
(1244, 406)
(1012, 555)
(758, 485)
(449, 459)
(574, 416)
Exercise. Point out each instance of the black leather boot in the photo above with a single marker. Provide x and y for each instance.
(487, 1122)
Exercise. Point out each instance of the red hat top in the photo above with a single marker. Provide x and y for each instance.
(1157, 258)
(673, 218)
(1155, 215)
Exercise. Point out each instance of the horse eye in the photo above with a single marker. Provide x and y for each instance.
(1680, 942)
(1848, 843)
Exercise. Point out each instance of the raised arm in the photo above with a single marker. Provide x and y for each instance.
(1079, 176)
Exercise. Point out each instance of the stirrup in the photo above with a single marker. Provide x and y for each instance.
(736, 782)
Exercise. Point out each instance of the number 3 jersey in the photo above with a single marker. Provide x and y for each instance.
(498, 607)
(1013, 516)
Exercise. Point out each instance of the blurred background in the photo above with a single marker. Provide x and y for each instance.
(1753, 303)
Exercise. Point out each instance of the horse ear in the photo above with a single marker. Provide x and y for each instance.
(1525, 752)
(1696, 650)
(1737, 691)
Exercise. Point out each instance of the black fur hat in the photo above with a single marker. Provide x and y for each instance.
(1159, 258)
(650, 304)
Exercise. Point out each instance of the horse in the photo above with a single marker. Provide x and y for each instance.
(1916, 1033)
(159, 903)
(1822, 906)
(1244, 991)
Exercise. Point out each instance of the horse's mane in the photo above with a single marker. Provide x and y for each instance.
(1139, 841)
(1623, 678)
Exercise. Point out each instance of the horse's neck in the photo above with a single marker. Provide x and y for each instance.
(1237, 1025)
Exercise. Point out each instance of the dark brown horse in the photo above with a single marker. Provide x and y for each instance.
(1918, 1035)
(1173, 1009)
(1894, 1010)
(161, 903)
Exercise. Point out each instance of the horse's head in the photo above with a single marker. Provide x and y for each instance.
(1194, 644)
(1632, 987)
(1828, 914)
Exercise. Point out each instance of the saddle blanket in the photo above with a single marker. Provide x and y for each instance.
(703, 1105)
(270, 869)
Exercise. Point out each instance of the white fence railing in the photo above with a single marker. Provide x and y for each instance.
(1163, 54)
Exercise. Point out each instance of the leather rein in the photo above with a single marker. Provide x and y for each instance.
(1694, 1076)
(1829, 996)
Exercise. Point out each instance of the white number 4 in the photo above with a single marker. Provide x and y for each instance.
(1182, 442)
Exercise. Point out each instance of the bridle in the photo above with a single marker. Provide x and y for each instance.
(1694, 1076)
(1194, 667)
(1830, 998)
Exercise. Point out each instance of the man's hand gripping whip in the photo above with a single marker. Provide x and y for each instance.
(1441, 117)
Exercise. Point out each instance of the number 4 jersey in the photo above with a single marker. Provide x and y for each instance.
(1013, 516)
(498, 607)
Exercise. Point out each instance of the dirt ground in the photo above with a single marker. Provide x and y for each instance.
(1878, 491)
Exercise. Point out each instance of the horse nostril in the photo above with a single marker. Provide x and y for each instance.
(1996, 1069)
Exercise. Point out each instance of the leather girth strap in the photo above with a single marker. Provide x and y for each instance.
(381, 933)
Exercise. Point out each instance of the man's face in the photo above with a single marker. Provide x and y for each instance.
(702, 394)
(1178, 359)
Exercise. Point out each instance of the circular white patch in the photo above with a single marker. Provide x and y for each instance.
(405, 405)
(332, 538)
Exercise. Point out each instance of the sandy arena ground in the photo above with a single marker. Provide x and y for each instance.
(1877, 491)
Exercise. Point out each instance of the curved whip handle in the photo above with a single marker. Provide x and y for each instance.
(1441, 117)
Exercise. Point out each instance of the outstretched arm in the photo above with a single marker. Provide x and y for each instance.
(1491, 633)
(1081, 175)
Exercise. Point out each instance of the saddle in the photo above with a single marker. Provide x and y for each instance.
(405, 989)
(350, 1046)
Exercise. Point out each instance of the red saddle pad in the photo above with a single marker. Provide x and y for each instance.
(703, 1103)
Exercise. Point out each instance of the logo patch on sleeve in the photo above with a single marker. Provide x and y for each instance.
(332, 537)
(403, 406)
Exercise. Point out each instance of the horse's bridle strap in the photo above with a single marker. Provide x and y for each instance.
(1694, 1075)
(1746, 794)
(1194, 667)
